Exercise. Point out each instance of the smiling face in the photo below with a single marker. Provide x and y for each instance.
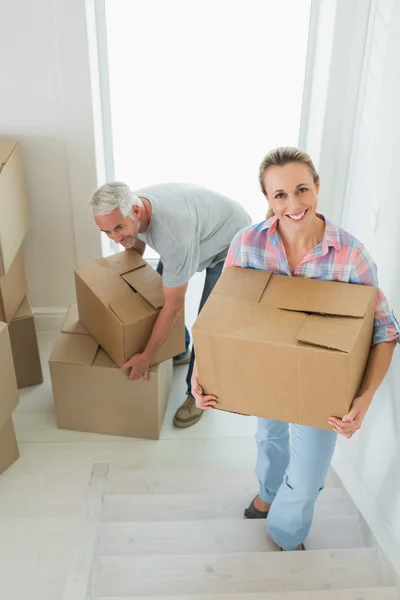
(292, 193)
(123, 230)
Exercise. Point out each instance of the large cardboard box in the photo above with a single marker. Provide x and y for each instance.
(8, 402)
(14, 218)
(119, 299)
(13, 288)
(92, 394)
(8, 446)
(8, 384)
(24, 346)
(284, 348)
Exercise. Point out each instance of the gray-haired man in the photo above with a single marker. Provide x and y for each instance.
(191, 228)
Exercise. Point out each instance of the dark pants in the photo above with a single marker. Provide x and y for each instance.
(212, 276)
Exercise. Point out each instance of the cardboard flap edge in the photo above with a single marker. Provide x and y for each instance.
(326, 332)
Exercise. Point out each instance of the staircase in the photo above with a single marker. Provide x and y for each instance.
(180, 535)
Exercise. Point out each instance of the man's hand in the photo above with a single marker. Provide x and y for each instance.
(205, 402)
(353, 420)
(138, 365)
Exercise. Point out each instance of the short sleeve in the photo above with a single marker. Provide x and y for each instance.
(233, 258)
(364, 272)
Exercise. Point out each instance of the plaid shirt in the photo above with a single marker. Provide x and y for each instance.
(339, 257)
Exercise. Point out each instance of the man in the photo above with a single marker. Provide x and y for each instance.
(191, 228)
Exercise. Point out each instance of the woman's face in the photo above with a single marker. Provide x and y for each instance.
(292, 193)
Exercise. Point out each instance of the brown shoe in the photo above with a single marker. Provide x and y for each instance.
(188, 414)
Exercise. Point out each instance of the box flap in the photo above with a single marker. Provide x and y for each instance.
(71, 322)
(104, 277)
(104, 281)
(316, 296)
(6, 149)
(229, 315)
(131, 307)
(74, 349)
(337, 333)
(24, 311)
(247, 284)
(123, 262)
(14, 214)
(8, 383)
(13, 288)
(148, 283)
(103, 360)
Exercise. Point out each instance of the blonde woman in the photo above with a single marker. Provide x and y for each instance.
(298, 242)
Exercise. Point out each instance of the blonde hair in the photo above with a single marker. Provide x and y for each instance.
(279, 158)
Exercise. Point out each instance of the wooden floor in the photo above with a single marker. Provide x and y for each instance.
(89, 517)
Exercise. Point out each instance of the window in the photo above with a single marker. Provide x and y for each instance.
(201, 90)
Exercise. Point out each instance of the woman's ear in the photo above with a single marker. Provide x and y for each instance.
(317, 187)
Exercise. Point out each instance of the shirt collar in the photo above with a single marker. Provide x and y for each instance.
(331, 235)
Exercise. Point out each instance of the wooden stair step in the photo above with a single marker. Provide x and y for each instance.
(193, 507)
(187, 481)
(381, 593)
(213, 537)
(236, 573)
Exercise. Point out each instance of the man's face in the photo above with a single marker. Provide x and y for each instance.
(123, 230)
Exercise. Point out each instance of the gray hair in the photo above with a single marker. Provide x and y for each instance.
(113, 195)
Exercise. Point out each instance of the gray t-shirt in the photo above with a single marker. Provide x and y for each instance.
(191, 228)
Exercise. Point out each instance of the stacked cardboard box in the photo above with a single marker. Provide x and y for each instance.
(8, 402)
(14, 305)
(119, 299)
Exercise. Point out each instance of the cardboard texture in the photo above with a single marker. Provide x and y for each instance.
(8, 384)
(14, 219)
(284, 348)
(92, 394)
(9, 453)
(13, 288)
(119, 299)
(24, 347)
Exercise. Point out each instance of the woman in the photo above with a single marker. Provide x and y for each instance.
(297, 241)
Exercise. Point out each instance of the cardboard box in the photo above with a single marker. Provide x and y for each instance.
(119, 299)
(8, 383)
(8, 446)
(92, 394)
(284, 348)
(14, 218)
(24, 347)
(13, 288)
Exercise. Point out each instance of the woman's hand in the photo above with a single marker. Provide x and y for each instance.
(205, 402)
(353, 420)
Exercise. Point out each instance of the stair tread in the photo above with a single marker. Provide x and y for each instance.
(236, 573)
(200, 506)
(381, 593)
(187, 480)
(209, 537)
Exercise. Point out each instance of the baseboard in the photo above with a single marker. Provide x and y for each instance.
(382, 533)
(49, 318)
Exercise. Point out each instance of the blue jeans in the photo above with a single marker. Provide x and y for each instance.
(212, 276)
(291, 472)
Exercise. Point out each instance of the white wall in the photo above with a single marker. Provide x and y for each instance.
(369, 464)
(45, 101)
(335, 57)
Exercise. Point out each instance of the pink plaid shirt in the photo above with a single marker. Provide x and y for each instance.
(339, 257)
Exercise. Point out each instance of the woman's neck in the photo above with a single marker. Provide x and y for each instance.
(303, 241)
